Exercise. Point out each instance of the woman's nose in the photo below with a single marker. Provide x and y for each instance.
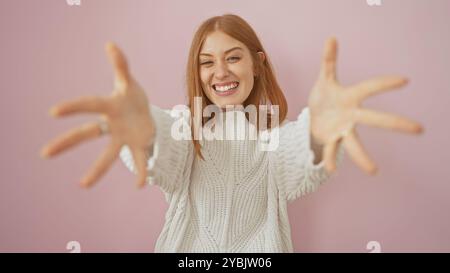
(221, 70)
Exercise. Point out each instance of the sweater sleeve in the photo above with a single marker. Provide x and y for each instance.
(168, 158)
(296, 172)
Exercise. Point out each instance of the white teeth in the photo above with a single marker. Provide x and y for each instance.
(226, 87)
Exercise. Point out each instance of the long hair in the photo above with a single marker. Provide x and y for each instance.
(266, 90)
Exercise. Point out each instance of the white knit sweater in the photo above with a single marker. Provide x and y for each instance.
(235, 200)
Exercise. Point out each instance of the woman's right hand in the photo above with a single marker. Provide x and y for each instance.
(127, 114)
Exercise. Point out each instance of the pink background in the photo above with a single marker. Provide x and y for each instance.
(51, 51)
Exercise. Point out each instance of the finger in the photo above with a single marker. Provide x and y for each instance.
(141, 165)
(119, 63)
(377, 85)
(328, 66)
(102, 164)
(329, 155)
(387, 121)
(71, 139)
(358, 154)
(88, 104)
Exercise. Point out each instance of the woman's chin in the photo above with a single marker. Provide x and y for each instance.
(224, 103)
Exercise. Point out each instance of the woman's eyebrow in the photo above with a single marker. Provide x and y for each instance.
(229, 50)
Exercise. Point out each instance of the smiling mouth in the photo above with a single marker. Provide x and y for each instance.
(227, 89)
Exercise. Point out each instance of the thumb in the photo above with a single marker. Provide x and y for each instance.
(119, 63)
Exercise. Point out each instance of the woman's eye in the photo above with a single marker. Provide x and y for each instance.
(234, 58)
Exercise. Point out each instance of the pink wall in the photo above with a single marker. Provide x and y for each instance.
(51, 51)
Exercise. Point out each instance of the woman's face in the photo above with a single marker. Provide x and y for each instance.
(226, 70)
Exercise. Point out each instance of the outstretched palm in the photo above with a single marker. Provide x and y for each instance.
(336, 109)
(125, 111)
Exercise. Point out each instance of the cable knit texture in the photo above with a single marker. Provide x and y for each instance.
(236, 199)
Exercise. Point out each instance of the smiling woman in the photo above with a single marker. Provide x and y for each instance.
(221, 75)
(227, 53)
(229, 195)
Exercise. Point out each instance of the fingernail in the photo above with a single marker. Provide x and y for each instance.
(44, 153)
(53, 112)
(110, 46)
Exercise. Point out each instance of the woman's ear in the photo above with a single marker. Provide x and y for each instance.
(262, 57)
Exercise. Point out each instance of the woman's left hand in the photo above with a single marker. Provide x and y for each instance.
(336, 109)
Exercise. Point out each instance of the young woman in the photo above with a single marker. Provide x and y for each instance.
(229, 195)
